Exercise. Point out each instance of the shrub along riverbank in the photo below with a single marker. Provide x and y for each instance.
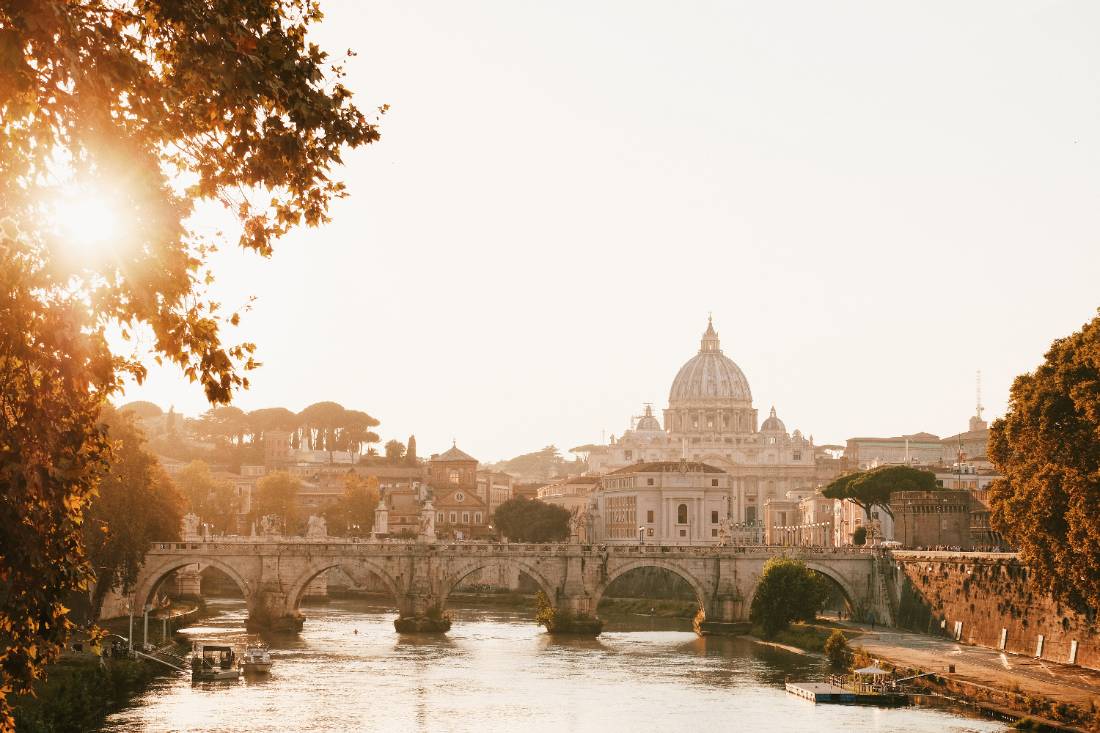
(79, 692)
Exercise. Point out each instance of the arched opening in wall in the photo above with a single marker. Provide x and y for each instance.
(345, 590)
(649, 597)
(503, 588)
(173, 594)
(838, 604)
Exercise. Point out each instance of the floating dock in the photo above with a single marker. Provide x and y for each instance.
(825, 692)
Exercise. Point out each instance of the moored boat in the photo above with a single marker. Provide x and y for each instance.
(256, 659)
(214, 662)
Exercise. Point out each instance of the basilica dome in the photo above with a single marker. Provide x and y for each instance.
(710, 375)
(773, 424)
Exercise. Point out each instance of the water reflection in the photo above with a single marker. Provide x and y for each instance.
(496, 671)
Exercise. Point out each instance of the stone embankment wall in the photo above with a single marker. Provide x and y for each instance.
(986, 600)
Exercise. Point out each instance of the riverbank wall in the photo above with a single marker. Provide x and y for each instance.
(987, 600)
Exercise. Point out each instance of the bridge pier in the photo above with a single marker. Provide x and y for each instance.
(271, 610)
(420, 609)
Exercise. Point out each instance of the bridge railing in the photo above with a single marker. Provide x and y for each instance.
(309, 545)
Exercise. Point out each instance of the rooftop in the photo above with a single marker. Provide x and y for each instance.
(668, 467)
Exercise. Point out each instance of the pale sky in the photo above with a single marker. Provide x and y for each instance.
(875, 200)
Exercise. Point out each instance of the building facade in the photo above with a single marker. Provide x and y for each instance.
(662, 502)
(711, 419)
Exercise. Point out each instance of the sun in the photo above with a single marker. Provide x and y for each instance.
(88, 221)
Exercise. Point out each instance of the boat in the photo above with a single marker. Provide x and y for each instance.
(256, 659)
(214, 662)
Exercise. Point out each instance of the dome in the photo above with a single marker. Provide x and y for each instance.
(773, 424)
(710, 374)
(647, 423)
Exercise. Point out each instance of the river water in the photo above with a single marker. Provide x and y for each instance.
(349, 670)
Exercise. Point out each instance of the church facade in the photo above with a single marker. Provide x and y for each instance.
(711, 419)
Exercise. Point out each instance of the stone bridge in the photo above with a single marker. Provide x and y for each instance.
(273, 573)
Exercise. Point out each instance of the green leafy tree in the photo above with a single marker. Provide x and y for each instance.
(213, 500)
(269, 418)
(353, 513)
(869, 489)
(395, 451)
(859, 536)
(531, 520)
(837, 650)
(1047, 448)
(277, 493)
(137, 504)
(788, 591)
(156, 107)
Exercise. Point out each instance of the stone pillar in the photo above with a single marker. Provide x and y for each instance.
(271, 608)
(420, 607)
(189, 582)
(725, 613)
(381, 521)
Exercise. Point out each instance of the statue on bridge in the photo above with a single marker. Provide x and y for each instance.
(269, 525)
(381, 520)
(191, 531)
(317, 527)
(427, 523)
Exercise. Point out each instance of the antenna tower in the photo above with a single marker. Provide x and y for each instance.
(979, 408)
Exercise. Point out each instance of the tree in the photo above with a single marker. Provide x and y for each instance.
(410, 452)
(261, 421)
(837, 650)
(137, 504)
(213, 500)
(859, 536)
(788, 591)
(1047, 448)
(531, 520)
(395, 451)
(277, 493)
(868, 489)
(353, 513)
(142, 409)
(153, 107)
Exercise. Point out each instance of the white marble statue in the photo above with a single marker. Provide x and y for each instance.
(191, 530)
(317, 527)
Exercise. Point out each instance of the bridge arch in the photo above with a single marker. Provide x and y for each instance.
(670, 565)
(469, 567)
(150, 579)
(353, 567)
(837, 580)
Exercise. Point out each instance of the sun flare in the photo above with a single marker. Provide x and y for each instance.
(88, 222)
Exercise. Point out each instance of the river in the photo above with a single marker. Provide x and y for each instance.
(349, 670)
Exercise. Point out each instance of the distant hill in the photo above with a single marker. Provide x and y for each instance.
(541, 465)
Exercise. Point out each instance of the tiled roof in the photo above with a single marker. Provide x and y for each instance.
(668, 467)
(454, 454)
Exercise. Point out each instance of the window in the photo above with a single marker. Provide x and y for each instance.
(649, 516)
(649, 482)
(750, 514)
(714, 517)
(465, 517)
(649, 532)
(460, 497)
(682, 515)
(439, 517)
(797, 455)
(477, 517)
(628, 454)
(683, 533)
(454, 517)
(454, 476)
(714, 533)
(714, 482)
